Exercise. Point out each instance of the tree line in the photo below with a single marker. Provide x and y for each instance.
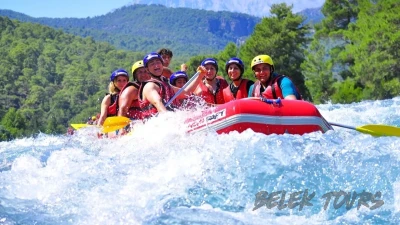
(354, 53)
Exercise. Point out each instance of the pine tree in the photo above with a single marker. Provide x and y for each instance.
(283, 36)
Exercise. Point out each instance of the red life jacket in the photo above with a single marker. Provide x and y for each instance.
(242, 91)
(166, 92)
(134, 111)
(112, 109)
(218, 96)
(273, 90)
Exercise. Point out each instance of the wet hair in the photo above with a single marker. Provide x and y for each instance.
(165, 51)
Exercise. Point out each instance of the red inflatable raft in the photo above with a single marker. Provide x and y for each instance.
(263, 116)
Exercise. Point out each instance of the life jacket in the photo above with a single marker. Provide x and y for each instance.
(112, 109)
(273, 90)
(241, 92)
(166, 92)
(134, 111)
(218, 96)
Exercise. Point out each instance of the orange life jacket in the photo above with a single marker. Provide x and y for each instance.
(241, 92)
(218, 96)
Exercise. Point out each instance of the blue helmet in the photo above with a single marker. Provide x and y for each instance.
(176, 75)
(151, 56)
(237, 61)
(210, 61)
(118, 72)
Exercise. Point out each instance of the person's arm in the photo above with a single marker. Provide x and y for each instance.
(288, 89)
(125, 100)
(150, 92)
(197, 91)
(249, 84)
(250, 94)
(103, 110)
(184, 67)
(290, 97)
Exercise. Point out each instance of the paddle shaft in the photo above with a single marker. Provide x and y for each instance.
(182, 88)
(374, 129)
(341, 125)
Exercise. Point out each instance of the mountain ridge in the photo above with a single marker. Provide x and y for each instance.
(187, 31)
(258, 8)
(180, 29)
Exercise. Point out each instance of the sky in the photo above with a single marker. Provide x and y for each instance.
(63, 8)
(91, 8)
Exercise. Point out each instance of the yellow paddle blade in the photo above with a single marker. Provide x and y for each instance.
(379, 130)
(114, 123)
(78, 126)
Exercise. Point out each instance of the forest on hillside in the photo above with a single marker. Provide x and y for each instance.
(188, 32)
(50, 79)
(362, 61)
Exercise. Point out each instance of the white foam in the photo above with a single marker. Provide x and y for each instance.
(161, 173)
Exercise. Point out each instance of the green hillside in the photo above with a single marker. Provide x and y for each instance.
(146, 28)
(49, 79)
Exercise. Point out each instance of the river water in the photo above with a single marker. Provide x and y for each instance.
(162, 175)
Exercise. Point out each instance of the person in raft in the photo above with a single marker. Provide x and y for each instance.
(166, 55)
(212, 86)
(128, 99)
(156, 92)
(91, 120)
(178, 79)
(118, 79)
(239, 87)
(269, 84)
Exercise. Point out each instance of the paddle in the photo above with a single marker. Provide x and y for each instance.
(182, 88)
(114, 123)
(373, 129)
(78, 126)
(109, 125)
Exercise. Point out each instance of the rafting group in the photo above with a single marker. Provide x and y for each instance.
(237, 105)
(153, 85)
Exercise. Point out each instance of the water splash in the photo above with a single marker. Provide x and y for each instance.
(161, 175)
